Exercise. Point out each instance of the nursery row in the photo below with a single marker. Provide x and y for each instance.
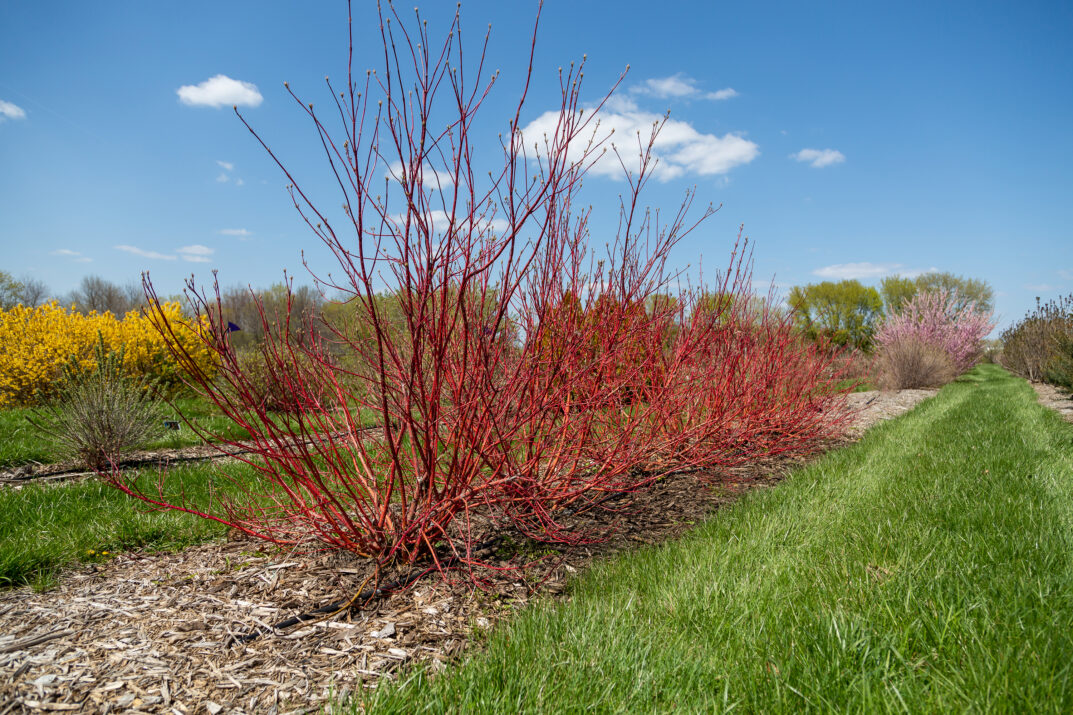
(511, 371)
(1040, 345)
(924, 569)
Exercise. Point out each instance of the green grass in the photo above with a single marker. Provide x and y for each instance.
(45, 527)
(202, 413)
(928, 568)
(857, 385)
(21, 442)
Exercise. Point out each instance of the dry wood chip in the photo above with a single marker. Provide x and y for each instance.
(59, 707)
(1056, 398)
(29, 642)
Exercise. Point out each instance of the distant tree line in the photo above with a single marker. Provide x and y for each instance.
(93, 294)
(25, 291)
(848, 313)
(238, 303)
(844, 313)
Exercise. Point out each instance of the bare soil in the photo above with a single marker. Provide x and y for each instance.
(150, 632)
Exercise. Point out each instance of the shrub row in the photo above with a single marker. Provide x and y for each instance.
(515, 375)
(1040, 345)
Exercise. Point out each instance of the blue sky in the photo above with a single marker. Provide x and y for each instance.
(851, 139)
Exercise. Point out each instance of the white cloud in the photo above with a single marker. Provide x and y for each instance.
(846, 271)
(220, 91)
(225, 175)
(240, 232)
(1065, 275)
(430, 177)
(820, 158)
(674, 86)
(617, 103)
(73, 255)
(679, 147)
(866, 270)
(11, 111)
(196, 253)
(914, 272)
(679, 85)
(1040, 287)
(143, 253)
(441, 220)
(727, 93)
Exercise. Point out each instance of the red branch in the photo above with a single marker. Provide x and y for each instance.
(505, 373)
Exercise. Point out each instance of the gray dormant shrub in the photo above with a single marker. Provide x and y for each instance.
(908, 364)
(100, 412)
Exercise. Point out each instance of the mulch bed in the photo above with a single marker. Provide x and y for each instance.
(149, 632)
(1056, 398)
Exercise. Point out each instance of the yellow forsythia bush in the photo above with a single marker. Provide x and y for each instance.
(35, 344)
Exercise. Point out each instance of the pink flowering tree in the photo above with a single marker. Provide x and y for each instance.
(941, 321)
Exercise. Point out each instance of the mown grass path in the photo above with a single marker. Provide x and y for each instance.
(46, 527)
(927, 568)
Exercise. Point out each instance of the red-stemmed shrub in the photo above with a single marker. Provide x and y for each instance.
(513, 373)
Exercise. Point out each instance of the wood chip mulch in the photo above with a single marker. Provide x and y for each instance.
(1056, 398)
(155, 632)
(874, 406)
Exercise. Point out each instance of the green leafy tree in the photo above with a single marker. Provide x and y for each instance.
(10, 291)
(897, 290)
(846, 312)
